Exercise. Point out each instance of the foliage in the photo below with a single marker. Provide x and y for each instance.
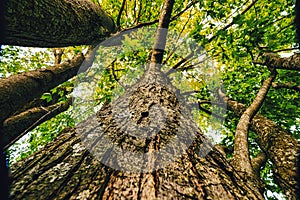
(15, 60)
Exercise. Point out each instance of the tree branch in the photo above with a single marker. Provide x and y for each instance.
(258, 162)
(286, 85)
(18, 90)
(178, 37)
(118, 36)
(209, 40)
(178, 64)
(184, 61)
(120, 14)
(232, 22)
(274, 61)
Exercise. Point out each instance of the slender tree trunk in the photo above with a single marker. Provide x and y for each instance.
(279, 145)
(20, 89)
(18, 125)
(55, 23)
(241, 157)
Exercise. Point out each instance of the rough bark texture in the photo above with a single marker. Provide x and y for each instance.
(281, 148)
(55, 23)
(274, 61)
(153, 147)
(279, 145)
(64, 169)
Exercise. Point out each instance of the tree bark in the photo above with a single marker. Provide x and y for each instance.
(273, 60)
(55, 23)
(64, 169)
(170, 159)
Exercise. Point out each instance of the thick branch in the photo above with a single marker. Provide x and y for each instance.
(258, 162)
(274, 61)
(55, 23)
(286, 85)
(241, 152)
(38, 102)
(18, 125)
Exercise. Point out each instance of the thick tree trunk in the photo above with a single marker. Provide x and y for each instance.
(55, 23)
(20, 89)
(65, 169)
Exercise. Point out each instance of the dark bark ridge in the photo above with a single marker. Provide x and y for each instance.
(55, 23)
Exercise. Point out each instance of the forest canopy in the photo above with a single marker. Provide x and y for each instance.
(236, 64)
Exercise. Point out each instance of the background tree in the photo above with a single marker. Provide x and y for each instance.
(244, 39)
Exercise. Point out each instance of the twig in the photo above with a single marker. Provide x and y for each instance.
(120, 14)
(176, 47)
(114, 74)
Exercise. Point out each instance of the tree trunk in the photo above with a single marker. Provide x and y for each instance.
(64, 169)
(18, 90)
(55, 23)
(183, 166)
(20, 124)
(279, 145)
